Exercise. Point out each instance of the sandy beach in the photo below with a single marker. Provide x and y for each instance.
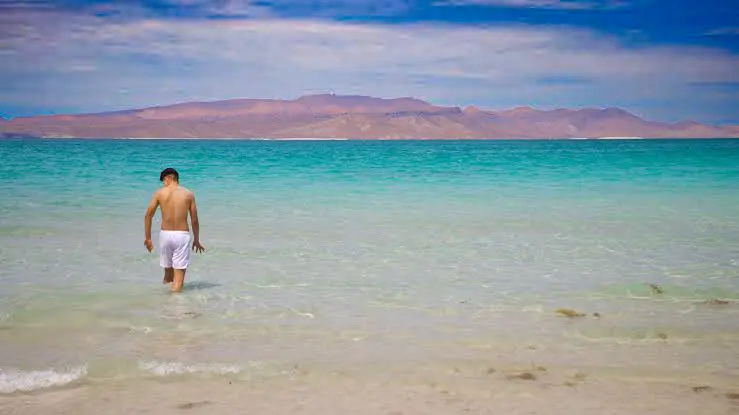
(455, 387)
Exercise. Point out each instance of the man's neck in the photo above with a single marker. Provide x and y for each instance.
(172, 185)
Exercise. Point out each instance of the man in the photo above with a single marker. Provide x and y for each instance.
(174, 237)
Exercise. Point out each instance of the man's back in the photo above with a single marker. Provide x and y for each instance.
(175, 202)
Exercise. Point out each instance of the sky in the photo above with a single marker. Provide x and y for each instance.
(664, 60)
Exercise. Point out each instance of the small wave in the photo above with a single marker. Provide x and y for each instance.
(12, 381)
(176, 368)
(666, 292)
(140, 329)
(635, 336)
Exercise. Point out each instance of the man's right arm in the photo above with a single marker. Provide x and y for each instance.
(148, 216)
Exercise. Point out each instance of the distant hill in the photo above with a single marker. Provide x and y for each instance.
(353, 117)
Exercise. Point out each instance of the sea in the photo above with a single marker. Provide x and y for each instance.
(606, 256)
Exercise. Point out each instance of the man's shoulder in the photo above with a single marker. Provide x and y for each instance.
(187, 192)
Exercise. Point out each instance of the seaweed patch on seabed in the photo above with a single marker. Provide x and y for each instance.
(521, 376)
(526, 374)
(715, 301)
(656, 289)
(701, 388)
(575, 379)
(570, 313)
(192, 405)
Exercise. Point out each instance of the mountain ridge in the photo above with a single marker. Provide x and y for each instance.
(354, 117)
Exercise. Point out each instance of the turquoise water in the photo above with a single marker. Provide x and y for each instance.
(365, 251)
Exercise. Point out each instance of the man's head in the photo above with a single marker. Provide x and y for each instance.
(169, 175)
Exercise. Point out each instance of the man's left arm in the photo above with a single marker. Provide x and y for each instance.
(148, 217)
(196, 246)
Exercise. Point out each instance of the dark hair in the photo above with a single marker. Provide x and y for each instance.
(169, 172)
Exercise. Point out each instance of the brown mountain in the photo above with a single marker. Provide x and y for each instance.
(332, 116)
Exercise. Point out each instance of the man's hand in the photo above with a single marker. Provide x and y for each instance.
(149, 245)
(197, 247)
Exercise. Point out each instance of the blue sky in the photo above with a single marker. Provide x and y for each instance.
(663, 60)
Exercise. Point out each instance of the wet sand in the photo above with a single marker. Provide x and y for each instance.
(449, 388)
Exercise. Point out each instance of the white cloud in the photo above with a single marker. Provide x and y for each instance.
(724, 31)
(222, 7)
(91, 64)
(539, 4)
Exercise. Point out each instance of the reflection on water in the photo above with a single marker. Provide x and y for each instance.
(200, 285)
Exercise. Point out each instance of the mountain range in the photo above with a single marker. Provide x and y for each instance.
(353, 117)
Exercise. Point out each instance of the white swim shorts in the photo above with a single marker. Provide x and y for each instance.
(174, 249)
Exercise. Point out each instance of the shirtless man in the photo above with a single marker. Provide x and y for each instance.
(174, 237)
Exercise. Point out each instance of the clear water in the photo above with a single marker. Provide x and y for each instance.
(369, 251)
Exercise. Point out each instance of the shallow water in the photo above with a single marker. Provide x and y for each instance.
(361, 251)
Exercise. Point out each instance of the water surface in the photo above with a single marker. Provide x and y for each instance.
(369, 251)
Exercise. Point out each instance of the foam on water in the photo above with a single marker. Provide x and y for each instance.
(178, 368)
(13, 380)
